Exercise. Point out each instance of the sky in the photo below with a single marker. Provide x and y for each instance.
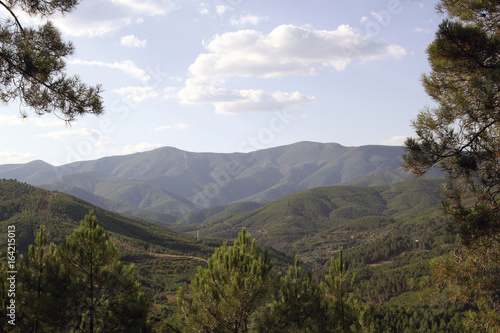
(233, 76)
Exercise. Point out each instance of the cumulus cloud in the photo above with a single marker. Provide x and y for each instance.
(254, 101)
(132, 41)
(287, 50)
(127, 66)
(228, 101)
(137, 94)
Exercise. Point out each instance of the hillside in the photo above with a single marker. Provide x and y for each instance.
(157, 251)
(390, 233)
(168, 180)
(129, 192)
(314, 223)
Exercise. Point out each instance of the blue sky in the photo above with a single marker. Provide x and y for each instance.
(234, 75)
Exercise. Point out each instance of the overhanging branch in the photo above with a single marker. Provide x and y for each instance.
(14, 16)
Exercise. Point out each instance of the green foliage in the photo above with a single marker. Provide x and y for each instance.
(32, 64)
(296, 306)
(40, 279)
(80, 286)
(475, 279)
(392, 319)
(28, 207)
(342, 296)
(226, 296)
(313, 223)
(104, 292)
(461, 136)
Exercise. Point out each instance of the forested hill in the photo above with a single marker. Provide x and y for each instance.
(27, 207)
(313, 223)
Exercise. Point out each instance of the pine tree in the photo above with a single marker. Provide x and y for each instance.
(105, 295)
(297, 304)
(227, 296)
(40, 287)
(342, 296)
(462, 137)
(32, 64)
(461, 134)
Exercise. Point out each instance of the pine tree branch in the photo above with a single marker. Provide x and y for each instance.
(14, 16)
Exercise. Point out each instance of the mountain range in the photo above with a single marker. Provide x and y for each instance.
(165, 183)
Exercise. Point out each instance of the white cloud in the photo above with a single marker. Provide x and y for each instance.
(395, 141)
(132, 41)
(80, 133)
(179, 126)
(364, 19)
(241, 101)
(182, 126)
(245, 20)
(422, 30)
(37, 121)
(84, 27)
(162, 128)
(221, 9)
(143, 146)
(127, 66)
(254, 101)
(6, 120)
(148, 7)
(9, 156)
(170, 92)
(100, 142)
(94, 18)
(137, 94)
(287, 50)
(100, 17)
(97, 17)
(381, 16)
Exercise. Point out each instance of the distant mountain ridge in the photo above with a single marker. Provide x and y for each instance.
(169, 180)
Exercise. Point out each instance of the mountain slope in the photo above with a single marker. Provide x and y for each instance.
(138, 194)
(211, 179)
(165, 259)
(27, 207)
(295, 223)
